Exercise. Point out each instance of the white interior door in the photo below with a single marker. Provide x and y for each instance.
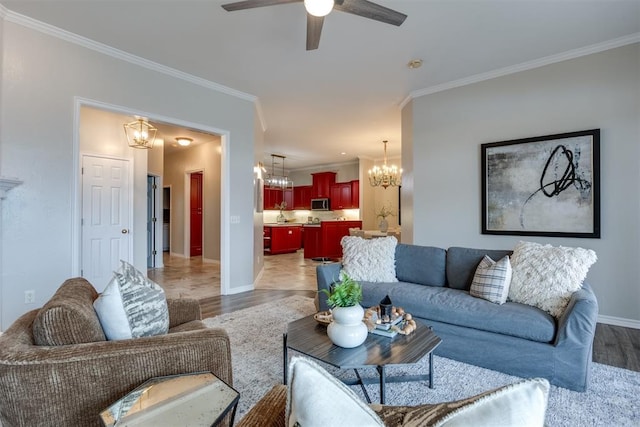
(106, 218)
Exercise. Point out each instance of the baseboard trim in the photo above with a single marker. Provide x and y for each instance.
(619, 321)
(210, 261)
(240, 290)
(176, 254)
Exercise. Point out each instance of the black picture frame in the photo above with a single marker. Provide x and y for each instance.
(542, 186)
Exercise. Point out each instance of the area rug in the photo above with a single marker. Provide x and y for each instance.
(256, 347)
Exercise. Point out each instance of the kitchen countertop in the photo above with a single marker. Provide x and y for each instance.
(286, 224)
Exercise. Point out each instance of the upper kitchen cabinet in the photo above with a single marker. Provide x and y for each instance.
(355, 194)
(275, 196)
(341, 195)
(302, 197)
(322, 182)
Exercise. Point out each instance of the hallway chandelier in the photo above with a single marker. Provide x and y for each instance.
(275, 180)
(140, 134)
(385, 176)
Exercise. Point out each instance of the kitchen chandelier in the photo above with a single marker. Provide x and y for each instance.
(274, 180)
(385, 176)
(140, 134)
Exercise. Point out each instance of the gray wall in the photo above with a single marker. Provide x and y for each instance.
(597, 91)
(42, 78)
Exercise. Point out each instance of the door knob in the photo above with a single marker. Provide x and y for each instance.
(125, 231)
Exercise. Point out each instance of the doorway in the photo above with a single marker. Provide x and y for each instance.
(195, 217)
(106, 217)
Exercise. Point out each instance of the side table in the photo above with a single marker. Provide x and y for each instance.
(197, 399)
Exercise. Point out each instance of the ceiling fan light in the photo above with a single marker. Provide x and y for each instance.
(318, 7)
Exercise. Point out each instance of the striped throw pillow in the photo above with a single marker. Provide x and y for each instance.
(492, 279)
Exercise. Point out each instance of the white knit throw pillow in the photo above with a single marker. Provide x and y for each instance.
(369, 260)
(545, 276)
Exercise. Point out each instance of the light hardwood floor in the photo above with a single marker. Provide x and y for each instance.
(291, 274)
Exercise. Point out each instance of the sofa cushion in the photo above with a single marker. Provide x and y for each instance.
(520, 404)
(424, 265)
(457, 307)
(546, 276)
(372, 260)
(68, 317)
(132, 306)
(492, 280)
(462, 263)
(315, 398)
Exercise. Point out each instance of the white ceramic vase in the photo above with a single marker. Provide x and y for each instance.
(384, 225)
(347, 328)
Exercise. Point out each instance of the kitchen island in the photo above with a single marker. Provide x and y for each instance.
(323, 240)
(282, 238)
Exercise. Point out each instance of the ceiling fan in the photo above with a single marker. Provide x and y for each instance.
(318, 9)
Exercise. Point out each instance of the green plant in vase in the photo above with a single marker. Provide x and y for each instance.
(347, 328)
(344, 293)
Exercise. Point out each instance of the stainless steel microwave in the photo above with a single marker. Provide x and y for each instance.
(320, 204)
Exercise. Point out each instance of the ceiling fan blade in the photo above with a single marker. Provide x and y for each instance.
(251, 4)
(370, 10)
(314, 30)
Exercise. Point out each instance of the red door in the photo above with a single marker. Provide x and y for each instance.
(196, 214)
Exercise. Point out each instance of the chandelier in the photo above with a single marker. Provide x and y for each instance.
(140, 134)
(275, 180)
(385, 176)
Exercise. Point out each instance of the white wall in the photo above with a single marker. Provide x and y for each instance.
(41, 77)
(597, 91)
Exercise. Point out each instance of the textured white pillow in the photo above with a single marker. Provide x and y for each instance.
(523, 404)
(546, 276)
(491, 280)
(369, 260)
(132, 306)
(316, 399)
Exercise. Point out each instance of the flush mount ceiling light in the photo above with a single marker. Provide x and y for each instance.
(318, 7)
(415, 63)
(140, 134)
(184, 141)
(385, 176)
(278, 178)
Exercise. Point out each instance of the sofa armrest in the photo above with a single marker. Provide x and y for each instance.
(269, 411)
(574, 339)
(578, 322)
(326, 275)
(183, 310)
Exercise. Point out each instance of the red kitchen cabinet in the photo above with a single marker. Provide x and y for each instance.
(302, 197)
(341, 196)
(272, 196)
(285, 239)
(322, 182)
(355, 194)
(312, 242)
(287, 196)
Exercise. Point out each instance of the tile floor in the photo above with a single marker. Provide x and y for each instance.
(190, 277)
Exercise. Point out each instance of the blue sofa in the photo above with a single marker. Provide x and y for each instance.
(513, 338)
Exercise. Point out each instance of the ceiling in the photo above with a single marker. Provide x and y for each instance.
(345, 97)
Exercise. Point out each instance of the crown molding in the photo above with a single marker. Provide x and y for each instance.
(70, 37)
(547, 60)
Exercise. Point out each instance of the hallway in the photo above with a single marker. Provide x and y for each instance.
(192, 278)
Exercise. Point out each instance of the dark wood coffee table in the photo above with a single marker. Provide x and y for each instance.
(310, 338)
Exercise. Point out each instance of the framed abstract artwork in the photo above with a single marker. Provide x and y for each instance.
(542, 186)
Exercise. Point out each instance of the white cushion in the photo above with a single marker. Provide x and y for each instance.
(545, 276)
(316, 399)
(491, 280)
(369, 260)
(523, 404)
(132, 306)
